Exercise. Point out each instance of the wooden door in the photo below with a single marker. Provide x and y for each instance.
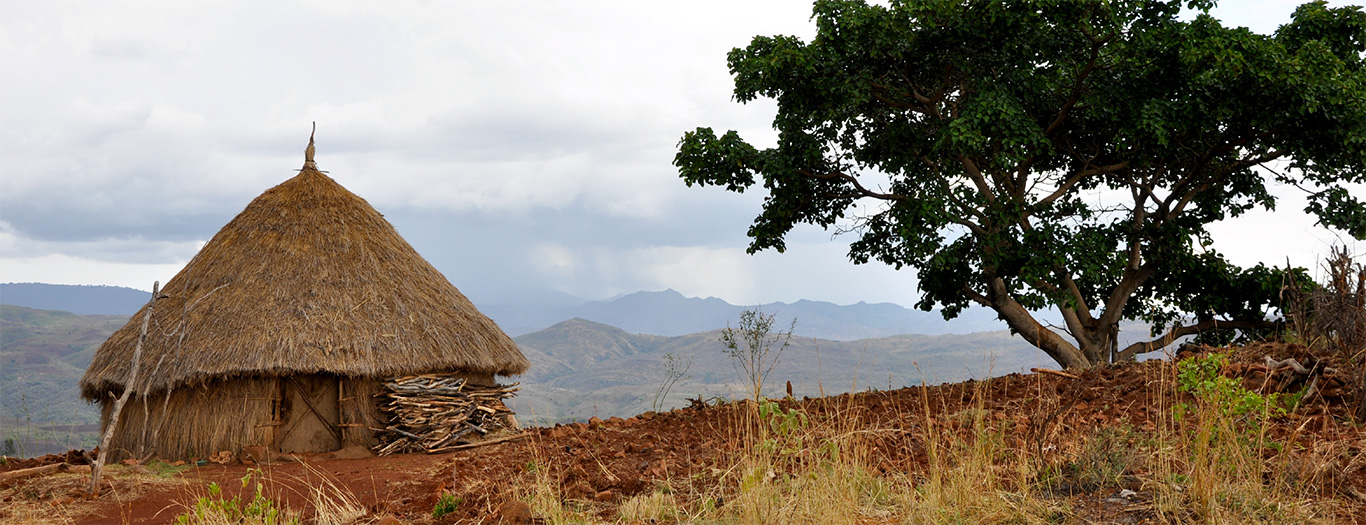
(309, 414)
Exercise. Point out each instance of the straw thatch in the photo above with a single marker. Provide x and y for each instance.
(308, 279)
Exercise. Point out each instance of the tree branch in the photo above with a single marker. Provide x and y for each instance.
(1023, 322)
(853, 181)
(1175, 333)
(976, 297)
(117, 410)
(1076, 177)
(977, 178)
(1133, 277)
(1096, 45)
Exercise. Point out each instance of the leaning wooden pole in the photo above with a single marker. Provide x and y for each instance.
(128, 388)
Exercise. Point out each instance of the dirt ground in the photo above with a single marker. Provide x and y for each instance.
(603, 463)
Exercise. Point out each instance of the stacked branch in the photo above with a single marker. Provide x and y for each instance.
(1313, 379)
(433, 413)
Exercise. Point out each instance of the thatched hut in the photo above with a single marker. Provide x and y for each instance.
(283, 327)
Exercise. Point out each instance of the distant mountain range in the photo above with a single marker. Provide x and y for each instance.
(659, 313)
(79, 300)
(670, 313)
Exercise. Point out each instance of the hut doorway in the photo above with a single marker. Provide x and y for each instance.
(309, 414)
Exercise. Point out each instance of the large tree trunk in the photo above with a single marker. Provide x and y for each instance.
(1020, 320)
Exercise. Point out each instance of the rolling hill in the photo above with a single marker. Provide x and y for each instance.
(582, 368)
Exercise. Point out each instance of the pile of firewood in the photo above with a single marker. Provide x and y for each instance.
(434, 413)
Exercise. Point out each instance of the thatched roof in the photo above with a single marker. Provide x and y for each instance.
(309, 278)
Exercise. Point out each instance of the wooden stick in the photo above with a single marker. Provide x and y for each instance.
(503, 439)
(127, 393)
(9, 478)
(1058, 373)
(1288, 362)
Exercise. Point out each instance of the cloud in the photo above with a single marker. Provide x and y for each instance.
(65, 269)
(515, 144)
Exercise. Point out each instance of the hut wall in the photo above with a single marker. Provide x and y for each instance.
(360, 413)
(231, 414)
(195, 422)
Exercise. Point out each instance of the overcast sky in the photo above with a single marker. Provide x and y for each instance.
(516, 145)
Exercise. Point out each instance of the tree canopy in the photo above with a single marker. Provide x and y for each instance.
(1067, 154)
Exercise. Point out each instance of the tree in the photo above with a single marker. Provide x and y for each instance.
(752, 349)
(1072, 154)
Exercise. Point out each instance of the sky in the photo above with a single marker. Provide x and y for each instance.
(518, 146)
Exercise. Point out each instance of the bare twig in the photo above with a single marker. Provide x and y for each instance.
(1058, 373)
(128, 387)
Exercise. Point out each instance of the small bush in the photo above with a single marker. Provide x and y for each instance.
(213, 509)
(447, 504)
(1202, 377)
(755, 349)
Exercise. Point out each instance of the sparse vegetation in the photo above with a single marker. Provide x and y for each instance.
(1215, 437)
(214, 509)
(1332, 315)
(1208, 456)
(675, 370)
(1202, 442)
(755, 349)
(446, 504)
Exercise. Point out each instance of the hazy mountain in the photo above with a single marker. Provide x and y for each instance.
(80, 300)
(582, 368)
(670, 313)
(524, 311)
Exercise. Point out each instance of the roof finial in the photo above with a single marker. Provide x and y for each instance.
(308, 153)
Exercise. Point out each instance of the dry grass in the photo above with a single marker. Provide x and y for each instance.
(1214, 465)
(1208, 466)
(333, 504)
(971, 476)
(794, 469)
(59, 498)
(261, 502)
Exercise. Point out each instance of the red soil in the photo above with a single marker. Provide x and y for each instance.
(603, 463)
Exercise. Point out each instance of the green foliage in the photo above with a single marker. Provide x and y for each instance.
(213, 509)
(1064, 154)
(163, 469)
(781, 422)
(1202, 377)
(783, 428)
(446, 504)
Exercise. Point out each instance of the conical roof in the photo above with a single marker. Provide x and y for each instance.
(309, 278)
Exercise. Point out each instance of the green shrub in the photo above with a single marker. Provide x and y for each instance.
(447, 504)
(213, 509)
(1201, 377)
